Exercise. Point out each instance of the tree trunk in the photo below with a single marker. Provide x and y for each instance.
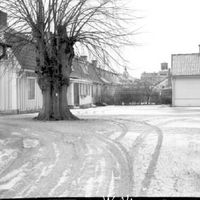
(54, 60)
(55, 105)
(147, 100)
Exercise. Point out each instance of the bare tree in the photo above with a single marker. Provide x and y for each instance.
(56, 28)
(149, 87)
(148, 90)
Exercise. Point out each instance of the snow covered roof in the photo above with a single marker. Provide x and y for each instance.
(185, 64)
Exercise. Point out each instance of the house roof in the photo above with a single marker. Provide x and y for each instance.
(185, 64)
(25, 54)
(93, 74)
(21, 48)
(80, 70)
(26, 57)
(108, 77)
(165, 83)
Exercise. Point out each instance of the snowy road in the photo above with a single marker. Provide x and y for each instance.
(114, 151)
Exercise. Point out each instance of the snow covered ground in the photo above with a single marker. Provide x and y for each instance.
(111, 151)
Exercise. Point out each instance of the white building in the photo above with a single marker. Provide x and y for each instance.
(186, 79)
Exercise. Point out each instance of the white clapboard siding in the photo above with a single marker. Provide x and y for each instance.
(70, 94)
(7, 89)
(186, 91)
(24, 104)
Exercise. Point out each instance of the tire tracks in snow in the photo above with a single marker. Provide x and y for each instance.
(152, 165)
(120, 180)
(36, 169)
(122, 157)
(116, 174)
(121, 154)
(154, 157)
(43, 177)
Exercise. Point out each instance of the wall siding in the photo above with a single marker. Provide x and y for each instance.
(24, 104)
(186, 91)
(83, 100)
(7, 89)
(70, 96)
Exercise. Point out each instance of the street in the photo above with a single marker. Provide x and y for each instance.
(111, 151)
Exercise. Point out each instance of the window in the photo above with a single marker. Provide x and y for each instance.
(85, 89)
(31, 89)
(93, 90)
(90, 90)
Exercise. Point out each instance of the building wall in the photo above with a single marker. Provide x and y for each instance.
(86, 100)
(14, 93)
(14, 88)
(23, 102)
(8, 90)
(85, 94)
(70, 94)
(185, 91)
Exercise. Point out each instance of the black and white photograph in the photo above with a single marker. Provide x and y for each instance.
(99, 98)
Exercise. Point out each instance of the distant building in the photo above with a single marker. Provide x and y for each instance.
(164, 70)
(186, 79)
(125, 78)
(156, 77)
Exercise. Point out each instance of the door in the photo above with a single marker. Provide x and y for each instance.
(76, 94)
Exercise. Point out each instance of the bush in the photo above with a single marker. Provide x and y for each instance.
(155, 98)
(128, 95)
(108, 99)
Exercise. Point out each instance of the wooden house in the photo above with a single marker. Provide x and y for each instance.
(80, 89)
(19, 91)
(186, 79)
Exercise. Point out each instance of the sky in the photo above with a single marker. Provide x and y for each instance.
(166, 27)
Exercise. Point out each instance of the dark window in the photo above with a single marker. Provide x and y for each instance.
(31, 89)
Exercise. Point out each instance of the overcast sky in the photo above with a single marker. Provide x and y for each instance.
(168, 27)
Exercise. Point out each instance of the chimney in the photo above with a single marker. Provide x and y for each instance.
(164, 66)
(94, 63)
(83, 58)
(3, 18)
